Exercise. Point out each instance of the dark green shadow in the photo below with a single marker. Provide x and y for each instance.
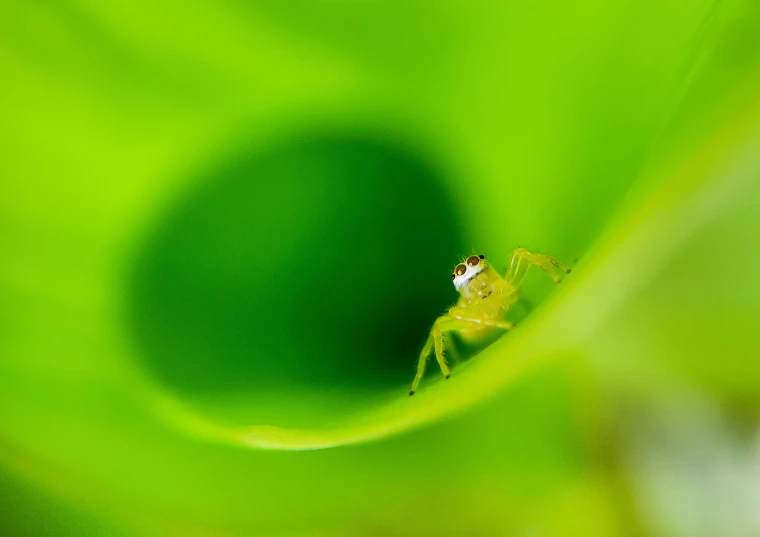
(321, 261)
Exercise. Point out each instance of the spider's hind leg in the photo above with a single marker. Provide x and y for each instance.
(522, 260)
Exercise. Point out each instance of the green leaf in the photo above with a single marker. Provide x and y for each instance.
(227, 227)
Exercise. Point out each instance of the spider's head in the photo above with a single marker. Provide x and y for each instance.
(467, 270)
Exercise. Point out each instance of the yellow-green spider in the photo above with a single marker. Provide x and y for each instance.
(485, 299)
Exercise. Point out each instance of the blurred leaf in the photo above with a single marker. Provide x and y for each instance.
(158, 158)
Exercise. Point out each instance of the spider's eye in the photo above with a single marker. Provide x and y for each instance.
(481, 256)
(453, 276)
(460, 269)
(473, 260)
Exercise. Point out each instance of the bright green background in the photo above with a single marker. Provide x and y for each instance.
(225, 230)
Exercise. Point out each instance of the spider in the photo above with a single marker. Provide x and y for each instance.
(485, 299)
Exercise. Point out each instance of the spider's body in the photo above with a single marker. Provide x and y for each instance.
(485, 298)
(483, 292)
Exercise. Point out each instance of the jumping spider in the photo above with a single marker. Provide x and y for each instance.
(485, 299)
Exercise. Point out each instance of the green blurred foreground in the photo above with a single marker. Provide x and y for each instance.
(225, 230)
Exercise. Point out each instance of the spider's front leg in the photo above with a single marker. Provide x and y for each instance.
(435, 340)
(522, 260)
(456, 319)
